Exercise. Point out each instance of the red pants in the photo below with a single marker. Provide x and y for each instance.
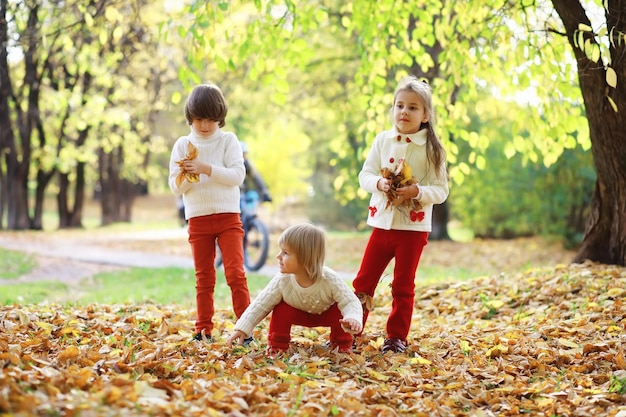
(284, 316)
(383, 245)
(227, 229)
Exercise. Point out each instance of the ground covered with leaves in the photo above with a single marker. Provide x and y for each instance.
(546, 342)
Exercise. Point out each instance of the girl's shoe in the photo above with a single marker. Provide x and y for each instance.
(247, 341)
(394, 344)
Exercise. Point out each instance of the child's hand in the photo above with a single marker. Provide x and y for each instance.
(384, 185)
(236, 335)
(351, 326)
(408, 192)
(194, 166)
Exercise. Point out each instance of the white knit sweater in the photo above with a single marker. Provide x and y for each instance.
(315, 299)
(218, 193)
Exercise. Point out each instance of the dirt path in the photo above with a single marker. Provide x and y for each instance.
(74, 255)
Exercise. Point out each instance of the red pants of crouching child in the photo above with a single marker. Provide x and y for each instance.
(227, 230)
(284, 316)
(384, 245)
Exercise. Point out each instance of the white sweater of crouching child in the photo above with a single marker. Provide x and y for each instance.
(315, 299)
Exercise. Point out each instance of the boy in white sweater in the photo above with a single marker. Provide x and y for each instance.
(304, 293)
(206, 169)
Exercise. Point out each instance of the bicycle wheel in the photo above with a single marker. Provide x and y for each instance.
(255, 244)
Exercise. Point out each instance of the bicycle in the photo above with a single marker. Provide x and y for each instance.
(256, 238)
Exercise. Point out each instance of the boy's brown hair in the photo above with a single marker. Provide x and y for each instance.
(206, 101)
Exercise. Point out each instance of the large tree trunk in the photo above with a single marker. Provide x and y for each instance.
(605, 235)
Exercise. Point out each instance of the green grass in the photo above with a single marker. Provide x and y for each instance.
(161, 286)
(134, 285)
(33, 292)
(14, 264)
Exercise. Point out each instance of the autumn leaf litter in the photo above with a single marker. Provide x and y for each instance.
(545, 342)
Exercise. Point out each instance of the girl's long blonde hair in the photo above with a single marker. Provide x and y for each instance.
(308, 243)
(435, 152)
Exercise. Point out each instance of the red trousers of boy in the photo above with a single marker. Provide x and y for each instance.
(227, 229)
(384, 245)
(284, 316)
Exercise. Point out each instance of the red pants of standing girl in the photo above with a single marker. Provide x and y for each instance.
(384, 245)
(284, 316)
(227, 229)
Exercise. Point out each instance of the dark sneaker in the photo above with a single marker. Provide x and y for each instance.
(198, 337)
(393, 344)
(247, 341)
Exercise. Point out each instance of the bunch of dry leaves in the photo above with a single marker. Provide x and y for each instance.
(546, 342)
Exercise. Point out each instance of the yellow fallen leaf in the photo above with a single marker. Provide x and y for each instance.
(70, 353)
(69, 330)
(46, 327)
(569, 343)
(494, 304)
(620, 361)
(615, 292)
(497, 350)
(613, 329)
(377, 375)
(419, 361)
(543, 401)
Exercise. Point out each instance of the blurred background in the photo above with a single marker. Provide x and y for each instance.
(92, 97)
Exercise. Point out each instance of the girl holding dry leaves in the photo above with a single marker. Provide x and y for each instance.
(206, 169)
(405, 170)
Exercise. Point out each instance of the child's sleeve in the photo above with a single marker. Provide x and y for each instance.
(436, 190)
(179, 151)
(370, 173)
(261, 306)
(346, 300)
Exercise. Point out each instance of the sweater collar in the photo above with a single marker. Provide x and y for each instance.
(418, 138)
(195, 135)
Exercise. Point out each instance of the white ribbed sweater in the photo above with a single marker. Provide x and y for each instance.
(315, 299)
(218, 193)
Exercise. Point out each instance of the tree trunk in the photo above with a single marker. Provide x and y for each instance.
(43, 179)
(6, 134)
(441, 216)
(605, 234)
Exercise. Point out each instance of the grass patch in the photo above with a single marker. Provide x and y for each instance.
(14, 264)
(34, 292)
(134, 285)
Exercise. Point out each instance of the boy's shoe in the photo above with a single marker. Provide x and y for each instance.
(198, 337)
(247, 341)
(394, 344)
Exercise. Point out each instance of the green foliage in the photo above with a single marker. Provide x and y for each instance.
(361, 49)
(510, 194)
